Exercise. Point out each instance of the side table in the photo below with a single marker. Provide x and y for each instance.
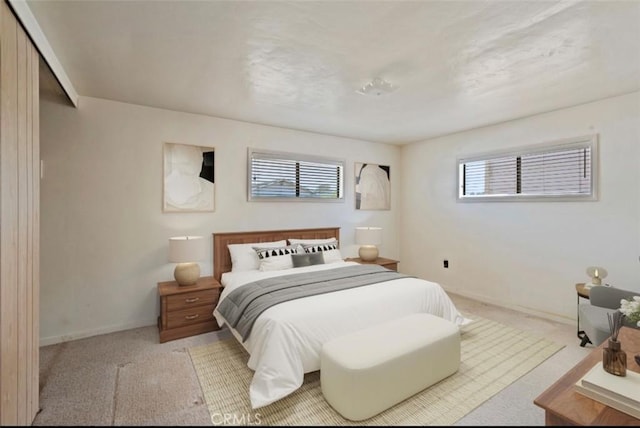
(564, 406)
(582, 291)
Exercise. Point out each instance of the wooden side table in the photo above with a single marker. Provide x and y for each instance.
(388, 263)
(187, 310)
(564, 406)
(582, 291)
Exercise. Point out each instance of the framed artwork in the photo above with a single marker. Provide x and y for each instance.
(373, 186)
(189, 183)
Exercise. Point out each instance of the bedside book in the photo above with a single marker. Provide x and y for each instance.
(621, 393)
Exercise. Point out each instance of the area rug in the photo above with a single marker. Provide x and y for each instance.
(493, 356)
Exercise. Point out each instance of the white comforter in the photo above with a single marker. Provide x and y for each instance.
(286, 339)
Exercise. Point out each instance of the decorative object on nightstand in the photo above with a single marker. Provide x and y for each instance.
(186, 251)
(187, 310)
(596, 274)
(368, 238)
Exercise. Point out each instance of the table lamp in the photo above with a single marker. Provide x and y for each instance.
(368, 238)
(596, 274)
(186, 251)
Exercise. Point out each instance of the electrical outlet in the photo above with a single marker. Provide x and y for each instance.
(445, 263)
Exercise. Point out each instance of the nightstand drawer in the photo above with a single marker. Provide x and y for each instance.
(195, 298)
(195, 315)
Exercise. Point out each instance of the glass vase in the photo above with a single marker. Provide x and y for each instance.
(614, 359)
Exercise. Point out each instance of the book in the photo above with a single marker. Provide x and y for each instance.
(607, 400)
(621, 393)
(623, 388)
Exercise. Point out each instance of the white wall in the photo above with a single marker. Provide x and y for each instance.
(526, 255)
(104, 236)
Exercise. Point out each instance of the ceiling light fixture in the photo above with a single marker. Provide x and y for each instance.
(377, 87)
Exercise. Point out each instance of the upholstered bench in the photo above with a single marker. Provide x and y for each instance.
(368, 371)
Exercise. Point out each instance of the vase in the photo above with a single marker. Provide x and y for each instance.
(614, 359)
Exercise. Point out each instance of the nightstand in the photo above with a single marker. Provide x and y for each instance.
(388, 263)
(187, 310)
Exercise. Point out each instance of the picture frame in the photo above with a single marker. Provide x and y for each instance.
(372, 186)
(188, 178)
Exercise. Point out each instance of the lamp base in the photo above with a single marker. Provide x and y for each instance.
(187, 273)
(368, 253)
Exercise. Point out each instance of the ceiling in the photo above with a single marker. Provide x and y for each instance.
(457, 64)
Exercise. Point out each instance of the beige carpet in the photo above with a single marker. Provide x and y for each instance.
(493, 356)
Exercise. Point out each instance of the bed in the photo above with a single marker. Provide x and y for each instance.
(286, 339)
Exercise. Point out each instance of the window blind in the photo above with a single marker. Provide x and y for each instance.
(290, 176)
(555, 170)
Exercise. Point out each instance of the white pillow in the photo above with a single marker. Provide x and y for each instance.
(277, 258)
(329, 250)
(244, 257)
(311, 241)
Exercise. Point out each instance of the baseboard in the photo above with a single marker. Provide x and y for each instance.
(52, 340)
(509, 305)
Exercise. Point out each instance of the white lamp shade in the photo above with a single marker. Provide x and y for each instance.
(368, 235)
(184, 249)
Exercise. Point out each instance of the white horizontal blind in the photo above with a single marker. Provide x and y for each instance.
(290, 176)
(557, 170)
(491, 177)
(562, 172)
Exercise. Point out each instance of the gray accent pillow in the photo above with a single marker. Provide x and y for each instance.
(307, 259)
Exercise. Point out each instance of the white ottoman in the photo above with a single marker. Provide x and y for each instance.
(366, 372)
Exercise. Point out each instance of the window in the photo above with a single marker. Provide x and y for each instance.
(287, 176)
(563, 170)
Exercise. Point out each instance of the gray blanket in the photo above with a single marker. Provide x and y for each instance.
(243, 305)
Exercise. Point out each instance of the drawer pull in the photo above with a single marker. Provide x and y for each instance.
(192, 300)
(191, 317)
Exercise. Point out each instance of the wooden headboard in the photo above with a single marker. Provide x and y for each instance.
(222, 258)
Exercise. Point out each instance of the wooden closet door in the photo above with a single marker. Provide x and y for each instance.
(19, 223)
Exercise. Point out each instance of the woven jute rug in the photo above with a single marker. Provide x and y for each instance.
(493, 356)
